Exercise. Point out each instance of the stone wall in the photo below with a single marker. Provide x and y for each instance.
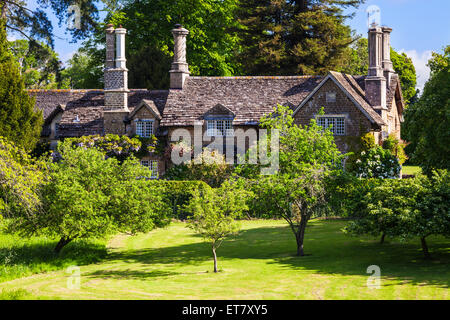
(356, 123)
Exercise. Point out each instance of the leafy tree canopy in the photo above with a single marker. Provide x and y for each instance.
(293, 37)
(427, 121)
(19, 121)
(406, 208)
(210, 46)
(39, 64)
(307, 155)
(215, 211)
(20, 180)
(89, 196)
(83, 71)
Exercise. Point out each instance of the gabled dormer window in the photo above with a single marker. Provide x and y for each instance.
(144, 128)
(219, 128)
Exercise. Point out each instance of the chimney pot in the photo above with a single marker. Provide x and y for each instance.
(180, 68)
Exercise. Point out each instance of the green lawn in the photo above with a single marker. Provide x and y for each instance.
(21, 257)
(411, 170)
(173, 263)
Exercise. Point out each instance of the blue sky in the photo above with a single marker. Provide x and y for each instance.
(419, 27)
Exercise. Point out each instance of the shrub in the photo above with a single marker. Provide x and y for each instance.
(377, 163)
(396, 148)
(209, 166)
(178, 194)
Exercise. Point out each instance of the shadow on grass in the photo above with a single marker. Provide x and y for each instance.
(131, 274)
(328, 251)
(38, 256)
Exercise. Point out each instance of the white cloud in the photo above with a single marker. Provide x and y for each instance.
(420, 60)
(65, 57)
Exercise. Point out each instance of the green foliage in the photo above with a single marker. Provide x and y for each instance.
(293, 37)
(177, 195)
(396, 147)
(211, 43)
(307, 156)
(406, 71)
(209, 166)
(345, 194)
(427, 121)
(112, 145)
(40, 65)
(376, 163)
(367, 142)
(83, 71)
(19, 121)
(406, 208)
(356, 60)
(89, 196)
(215, 211)
(21, 257)
(20, 180)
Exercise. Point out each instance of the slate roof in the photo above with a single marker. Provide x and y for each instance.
(87, 106)
(248, 98)
(352, 87)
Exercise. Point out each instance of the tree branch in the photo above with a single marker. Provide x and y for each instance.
(20, 31)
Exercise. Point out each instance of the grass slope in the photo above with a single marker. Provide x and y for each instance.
(173, 263)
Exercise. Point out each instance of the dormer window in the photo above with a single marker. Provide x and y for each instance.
(219, 128)
(144, 128)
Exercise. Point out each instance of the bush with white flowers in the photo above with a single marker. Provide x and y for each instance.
(377, 163)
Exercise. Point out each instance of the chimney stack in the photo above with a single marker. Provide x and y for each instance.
(388, 68)
(110, 47)
(180, 69)
(376, 82)
(116, 73)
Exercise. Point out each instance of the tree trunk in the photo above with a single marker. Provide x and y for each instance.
(215, 259)
(3, 10)
(300, 236)
(61, 244)
(425, 248)
(382, 238)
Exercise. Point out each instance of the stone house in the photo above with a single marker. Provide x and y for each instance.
(353, 105)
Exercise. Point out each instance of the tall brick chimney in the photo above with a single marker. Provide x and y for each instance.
(388, 68)
(376, 82)
(116, 73)
(180, 69)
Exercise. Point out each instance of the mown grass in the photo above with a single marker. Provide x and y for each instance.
(21, 257)
(411, 170)
(259, 263)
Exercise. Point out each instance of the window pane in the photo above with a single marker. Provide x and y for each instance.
(335, 124)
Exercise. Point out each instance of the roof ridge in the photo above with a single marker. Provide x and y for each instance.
(255, 77)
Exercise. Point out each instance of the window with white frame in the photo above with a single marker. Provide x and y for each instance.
(144, 128)
(219, 128)
(335, 124)
(153, 167)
